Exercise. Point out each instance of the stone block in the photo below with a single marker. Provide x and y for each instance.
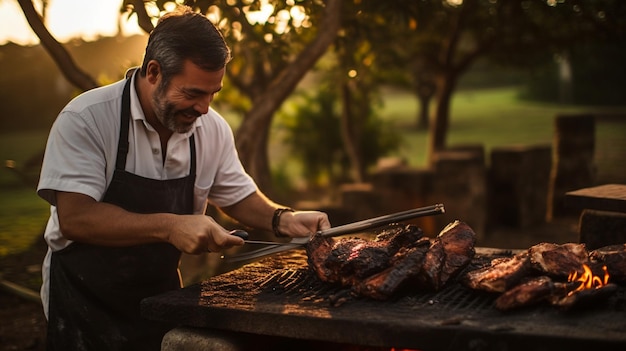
(519, 177)
(602, 228)
(192, 339)
(459, 182)
(573, 160)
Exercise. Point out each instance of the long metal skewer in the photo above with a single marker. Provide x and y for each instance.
(351, 228)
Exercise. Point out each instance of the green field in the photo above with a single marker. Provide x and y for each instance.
(490, 117)
(495, 117)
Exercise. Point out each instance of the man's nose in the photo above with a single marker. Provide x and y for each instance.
(202, 105)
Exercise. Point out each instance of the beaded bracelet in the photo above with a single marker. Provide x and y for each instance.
(276, 220)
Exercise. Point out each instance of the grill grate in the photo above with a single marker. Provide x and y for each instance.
(304, 284)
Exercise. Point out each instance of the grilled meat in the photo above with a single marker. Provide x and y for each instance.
(405, 265)
(614, 258)
(398, 256)
(450, 252)
(529, 292)
(586, 297)
(349, 261)
(501, 275)
(317, 250)
(558, 261)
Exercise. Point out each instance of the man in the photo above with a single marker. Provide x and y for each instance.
(128, 171)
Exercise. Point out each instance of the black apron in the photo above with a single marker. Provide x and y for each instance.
(95, 291)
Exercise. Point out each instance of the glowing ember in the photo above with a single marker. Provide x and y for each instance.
(588, 280)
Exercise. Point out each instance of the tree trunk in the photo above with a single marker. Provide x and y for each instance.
(424, 112)
(424, 92)
(252, 135)
(349, 134)
(61, 57)
(143, 19)
(439, 124)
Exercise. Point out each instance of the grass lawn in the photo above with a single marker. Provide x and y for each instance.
(492, 117)
(23, 215)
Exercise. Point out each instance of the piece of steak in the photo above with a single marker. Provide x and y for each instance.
(530, 292)
(558, 260)
(349, 261)
(449, 253)
(405, 265)
(586, 297)
(614, 258)
(500, 275)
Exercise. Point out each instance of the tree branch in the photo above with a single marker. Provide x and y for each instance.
(143, 19)
(58, 53)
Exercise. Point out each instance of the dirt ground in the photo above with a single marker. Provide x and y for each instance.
(23, 325)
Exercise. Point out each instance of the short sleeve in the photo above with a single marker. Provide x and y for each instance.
(74, 159)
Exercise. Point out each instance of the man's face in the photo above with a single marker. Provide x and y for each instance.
(187, 97)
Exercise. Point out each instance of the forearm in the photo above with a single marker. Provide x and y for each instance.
(254, 211)
(85, 220)
(257, 211)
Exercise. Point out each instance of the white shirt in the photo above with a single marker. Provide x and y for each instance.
(82, 148)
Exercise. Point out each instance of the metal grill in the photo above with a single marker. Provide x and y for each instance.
(281, 297)
(304, 285)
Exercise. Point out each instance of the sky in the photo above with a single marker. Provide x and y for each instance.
(66, 20)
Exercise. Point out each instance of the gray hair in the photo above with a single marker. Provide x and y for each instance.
(185, 35)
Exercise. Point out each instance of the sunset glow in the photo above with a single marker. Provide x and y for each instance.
(66, 20)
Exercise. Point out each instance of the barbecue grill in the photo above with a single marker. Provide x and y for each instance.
(280, 297)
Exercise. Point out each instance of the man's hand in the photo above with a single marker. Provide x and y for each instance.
(196, 234)
(302, 223)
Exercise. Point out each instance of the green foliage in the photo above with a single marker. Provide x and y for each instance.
(597, 76)
(314, 136)
(23, 219)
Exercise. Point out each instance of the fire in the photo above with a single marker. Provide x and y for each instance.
(588, 280)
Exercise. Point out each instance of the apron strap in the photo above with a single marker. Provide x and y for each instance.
(122, 143)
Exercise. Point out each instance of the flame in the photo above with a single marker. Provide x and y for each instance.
(588, 280)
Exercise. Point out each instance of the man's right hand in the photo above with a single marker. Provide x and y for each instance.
(196, 234)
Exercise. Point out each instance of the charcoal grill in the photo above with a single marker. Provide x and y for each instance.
(281, 297)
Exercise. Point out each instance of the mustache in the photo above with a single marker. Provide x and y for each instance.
(190, 112)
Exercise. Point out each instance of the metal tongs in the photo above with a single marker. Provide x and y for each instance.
(351, 228)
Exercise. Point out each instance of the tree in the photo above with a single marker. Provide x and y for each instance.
(437, 41)
(265, 67)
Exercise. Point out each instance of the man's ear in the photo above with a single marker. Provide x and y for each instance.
(153, 71)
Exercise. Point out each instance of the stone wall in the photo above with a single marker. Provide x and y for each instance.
(521, 185)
